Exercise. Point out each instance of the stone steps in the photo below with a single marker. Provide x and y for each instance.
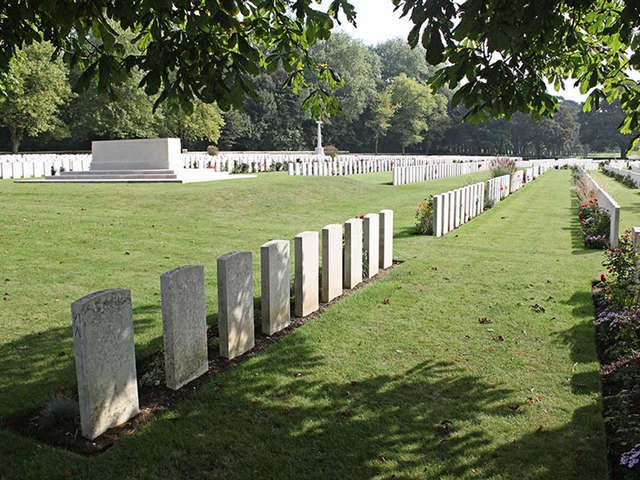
(101, 180)
(133, 176)
(119, 172)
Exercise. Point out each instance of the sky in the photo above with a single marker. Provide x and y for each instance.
(377, 22)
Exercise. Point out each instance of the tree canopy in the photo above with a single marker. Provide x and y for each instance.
(500, 53)
(496, 55)
(34, 90)
(209, 50)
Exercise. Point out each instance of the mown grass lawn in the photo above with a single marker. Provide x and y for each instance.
(628, 198)
(416, 388)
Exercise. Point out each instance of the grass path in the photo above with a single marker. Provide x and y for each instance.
(413, 389)
(628, 199)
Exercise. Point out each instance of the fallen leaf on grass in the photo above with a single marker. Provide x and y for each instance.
(492, 349)
(499, 338)
(386, 301)
(484, 320)
(513, 408)
(537, 308)
(446, 426)
(434, 268)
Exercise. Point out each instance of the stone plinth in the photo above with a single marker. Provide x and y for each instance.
(143, 154)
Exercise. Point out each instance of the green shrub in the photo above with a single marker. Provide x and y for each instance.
(424, 217)
(621, 280)
(213, 150)
(331, 150)
(500, 166)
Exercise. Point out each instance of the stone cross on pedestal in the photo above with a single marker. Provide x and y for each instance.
(319, 149)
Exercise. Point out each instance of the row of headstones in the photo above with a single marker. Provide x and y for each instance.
(498, 188)
(45, 165)
(325, 168)
(456, 207)
(634, 176)
(103, 321)
(606, 202)
(517, 180)
(422, 173)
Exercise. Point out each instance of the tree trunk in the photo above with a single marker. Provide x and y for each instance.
(15, 137)
(377, 138)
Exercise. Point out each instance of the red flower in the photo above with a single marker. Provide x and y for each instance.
(362, 216)
(603, 277)
(611, 269)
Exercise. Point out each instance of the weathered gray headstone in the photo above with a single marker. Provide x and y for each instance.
(306, 273)
(386, 238)
(372, 243)
(235, 304)
(331, 263)
(105, 360)
(352, 252)
(184, 323)
(275, 287)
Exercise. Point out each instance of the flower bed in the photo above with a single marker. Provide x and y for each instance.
(617, 325)
(595, 222)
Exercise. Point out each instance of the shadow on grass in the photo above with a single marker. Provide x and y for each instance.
(577, 240)
(275, 417)
(580, 338)
(36, 366)
(406, 232)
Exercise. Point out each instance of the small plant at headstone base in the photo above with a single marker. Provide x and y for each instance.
(595, 224)
(154, 375)
(424, 216)
(240, 168)
(331, 150)
(213, 150)
(500, 166)
(59, 411)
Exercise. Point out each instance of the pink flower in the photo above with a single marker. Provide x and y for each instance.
(603, 277)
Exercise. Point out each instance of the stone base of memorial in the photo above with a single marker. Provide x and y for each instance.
(152, 160)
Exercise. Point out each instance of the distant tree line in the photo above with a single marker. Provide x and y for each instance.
(385, 104)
